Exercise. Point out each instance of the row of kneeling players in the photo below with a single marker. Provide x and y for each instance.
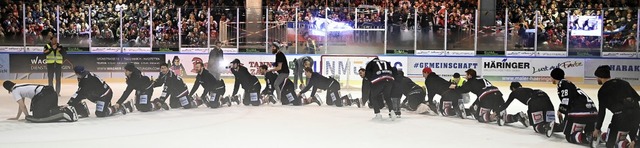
(580, 120)
(44, 101)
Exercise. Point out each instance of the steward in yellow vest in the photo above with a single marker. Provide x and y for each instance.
(457, 80)
(55, 57)
(54, 52)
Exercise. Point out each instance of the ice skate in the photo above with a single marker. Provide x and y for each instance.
(549, 129)
(393, 116)
(500, 121)
(317, 100)
(377, 117)
(347, 99)
(524, 119)
(317, 97)
(433, 107)
(272, 99)
(264, 99)
(236, 99)
(462, 110)
(472, 112)
(86, 108)
(70, 114)
(227, 100)
(122, 109)
(161, 104)
(127, 105)
(357, 102)
(196, 103)
(204, 101)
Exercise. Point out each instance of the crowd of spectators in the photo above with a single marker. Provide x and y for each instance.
(619, 17)
(139, 25)
(620, 29)
(430, 13)
(402, 14)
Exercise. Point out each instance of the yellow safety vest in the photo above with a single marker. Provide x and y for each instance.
(53, 56)
(462, 80)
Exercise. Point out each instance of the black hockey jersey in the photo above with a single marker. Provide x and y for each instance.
(288, 86)
(90, 87)
(173, 85)
(477, 86)
(208, 82)
(574, 101)
(616, 95)
(244, 78)
(435, 85)
(269, 78)
(410, 87)
(137, 82)
(521, 94)
(317, 81)
(379, 70)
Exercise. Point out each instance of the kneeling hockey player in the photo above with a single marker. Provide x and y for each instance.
(44, 103)
(213, 88)
(540, 110)
(249, 83)
(489, 97)
(622, 100)
(578, 108)
(332, 86)
(144, 90)
(451, 101)
(269, 78)
(174, 88)
(94, 89)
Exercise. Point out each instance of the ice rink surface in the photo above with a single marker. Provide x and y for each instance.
(310, 126)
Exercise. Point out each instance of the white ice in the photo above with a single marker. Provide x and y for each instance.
(272, 126)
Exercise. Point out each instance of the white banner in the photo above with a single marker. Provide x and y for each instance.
(11, 49)
(105, 49)
(626, 69)
(430, 52)
(520, 53)
(229, 50)
(443, 66)
(620, 54)
(552, 54)
(461, 53)
(531, 69)
(34, 49)
(194, 50)
(537, 53)
(136, 50)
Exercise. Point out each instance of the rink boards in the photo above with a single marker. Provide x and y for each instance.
(525, 69)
